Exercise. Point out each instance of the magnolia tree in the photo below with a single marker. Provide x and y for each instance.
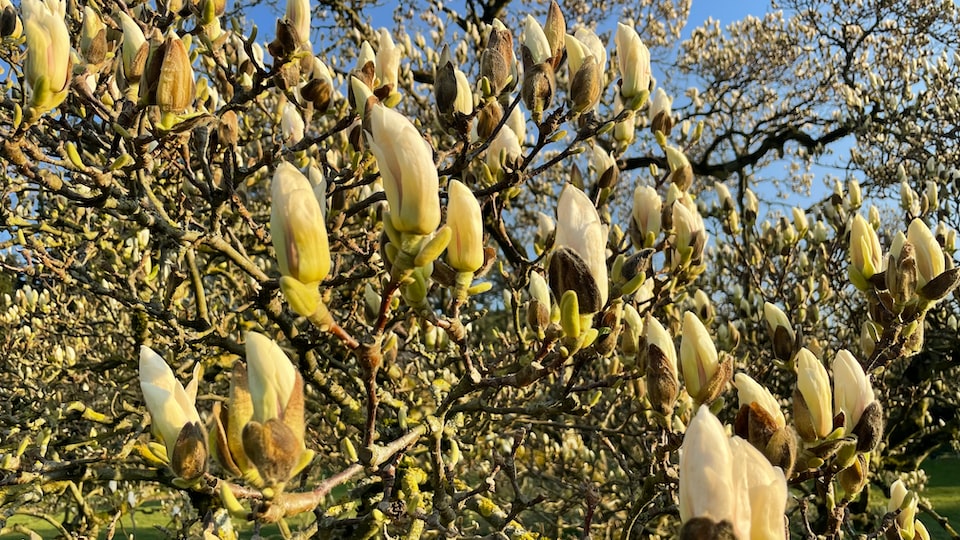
(477, 275)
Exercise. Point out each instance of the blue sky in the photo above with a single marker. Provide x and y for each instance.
(726, 11)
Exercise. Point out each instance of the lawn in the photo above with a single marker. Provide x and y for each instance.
(943, 491)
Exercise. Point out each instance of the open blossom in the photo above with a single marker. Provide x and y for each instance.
(407, 169)
(725, 483)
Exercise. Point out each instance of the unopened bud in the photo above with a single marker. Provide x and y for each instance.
(168, 77)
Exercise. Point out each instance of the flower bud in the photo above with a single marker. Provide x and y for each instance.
(906, 501)
(406, 167)
(761, 422)
(465, 251)
(585, 75)
(555, 30)
(750, 392)
(319, 90)
(534, 39)
(10, 24)
(297, 228)
(681, 172)
(781, 331)
(690, 236)
(291, 124)
(703, 374)
(497, 62)
(703, 305)
(632, 331)
(174, 415)
(852, 392)
(298, 16)
(604, 166)
(869, 429)
(659, 113)
(854, 195)
(168, 77)
(854, 478)
(539, 81)
(764, 488)
(706, 470)
(751, 206)
(229, 420)
(579, 259)
(133, 41)
(645, 221)
(93, 37)
(585, 86)
(589, 39)
(928, 253)
(504, 152)
(866, 256)
(659, 356)
(539, 289)
(48, 66)
(387, 64)
(452, 89)
(812, 401)
(625, 130)
(274, 438)
(634, 60)
(488, 117)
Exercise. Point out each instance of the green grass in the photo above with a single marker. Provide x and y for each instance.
(943, 491)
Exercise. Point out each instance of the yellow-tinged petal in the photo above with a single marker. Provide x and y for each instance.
(465, 251)
(297, 227)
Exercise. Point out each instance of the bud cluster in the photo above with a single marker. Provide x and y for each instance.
(900, 286)
(258, 432)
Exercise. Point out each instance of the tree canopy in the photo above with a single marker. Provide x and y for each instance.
(487, 269)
